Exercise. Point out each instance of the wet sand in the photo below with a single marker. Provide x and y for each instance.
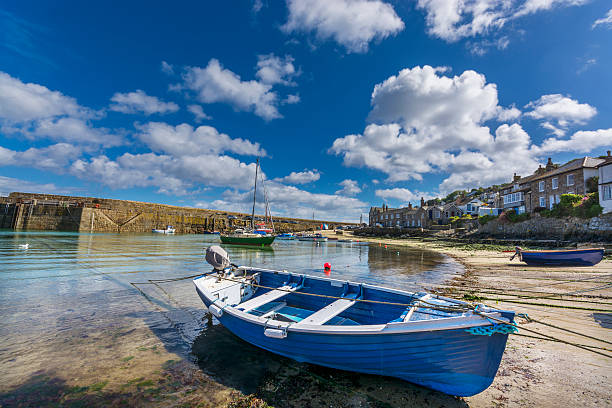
(538, 372)
(129, 364)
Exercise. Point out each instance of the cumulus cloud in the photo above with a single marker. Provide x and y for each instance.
(295, 202)
(301, 177)
(291, 99)
(139, 102)
(169, 174)
(36, 112)
(559, 112)
(582, 141)
(604, 21)
(401, 194)
(183, 140)
(167, 68)
(9, 185)
(273, 70)
(427, 122)
(351, 23)
(452, 20)
(215, 84)
(198, 112)
(52, 158)
(349, 188)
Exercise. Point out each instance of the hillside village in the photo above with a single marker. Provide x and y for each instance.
(584, 182)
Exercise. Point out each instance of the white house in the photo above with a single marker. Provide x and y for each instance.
(489, 211)
(605, 184)
(471, 207)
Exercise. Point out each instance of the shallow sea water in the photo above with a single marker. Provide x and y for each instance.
(70, 288)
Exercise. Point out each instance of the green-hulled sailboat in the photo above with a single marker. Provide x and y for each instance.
(242, 237)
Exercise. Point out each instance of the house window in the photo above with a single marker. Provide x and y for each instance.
(541, 186)
(543, 202)
(570, 179)
(555, 183)
(606, 192)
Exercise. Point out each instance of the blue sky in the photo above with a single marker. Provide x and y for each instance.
(347, 102)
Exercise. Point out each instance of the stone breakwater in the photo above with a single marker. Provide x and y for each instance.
(87, 214)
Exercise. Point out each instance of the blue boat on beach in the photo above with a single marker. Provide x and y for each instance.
(575, 257)
(441, 343)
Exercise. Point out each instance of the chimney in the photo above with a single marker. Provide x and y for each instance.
(515, 178)
(549, 165)
(422, 202)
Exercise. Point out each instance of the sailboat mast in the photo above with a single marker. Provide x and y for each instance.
(254, 194)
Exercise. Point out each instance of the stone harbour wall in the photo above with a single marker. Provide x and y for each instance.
(537, 227)
(87, 214)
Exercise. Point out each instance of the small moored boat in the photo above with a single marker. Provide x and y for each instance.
(577, 257)
(313, 237)
(437, 342)
(169, 230)
(285, 236)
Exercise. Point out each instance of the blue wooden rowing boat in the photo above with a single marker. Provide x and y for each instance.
(437, 342)
(576, 257)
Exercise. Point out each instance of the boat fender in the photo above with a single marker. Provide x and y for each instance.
(275, 333)
(216, 310)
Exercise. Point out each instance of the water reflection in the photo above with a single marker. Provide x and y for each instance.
(66, 286)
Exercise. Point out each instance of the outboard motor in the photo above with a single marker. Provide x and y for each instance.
(217, 257)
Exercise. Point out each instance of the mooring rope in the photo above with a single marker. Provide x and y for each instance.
(459, 308)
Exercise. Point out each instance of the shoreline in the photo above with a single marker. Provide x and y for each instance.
(536, 371)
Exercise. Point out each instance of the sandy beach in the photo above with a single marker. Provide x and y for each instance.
(538, 372)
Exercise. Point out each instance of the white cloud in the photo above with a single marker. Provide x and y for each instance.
(198, 112)
(291, 99)
(274, 70)
(217, 84)
(138, 101)
(183, 140)
(172, 175)
(349, 188)
(301, 177)
(9, 185)
(452, 20)
(53, 158)
(582, 141)
(167, 68)
(605, 21)
(294, 202)
(427, 122)
(24, 102)
(402, 194)
(257, 6)
(35, 112)
(563, 110)
(351, 23)
(508, 114)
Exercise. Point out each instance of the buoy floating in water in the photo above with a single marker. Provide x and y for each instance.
(24, 246)
(327, 268)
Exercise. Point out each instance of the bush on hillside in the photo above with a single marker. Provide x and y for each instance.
(483, 219)
(575, 205)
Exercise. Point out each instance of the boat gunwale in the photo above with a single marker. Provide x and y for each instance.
(439, 324)
(560, 251)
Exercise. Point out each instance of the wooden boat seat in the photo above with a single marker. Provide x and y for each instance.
(330, 311)
(268, 297)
